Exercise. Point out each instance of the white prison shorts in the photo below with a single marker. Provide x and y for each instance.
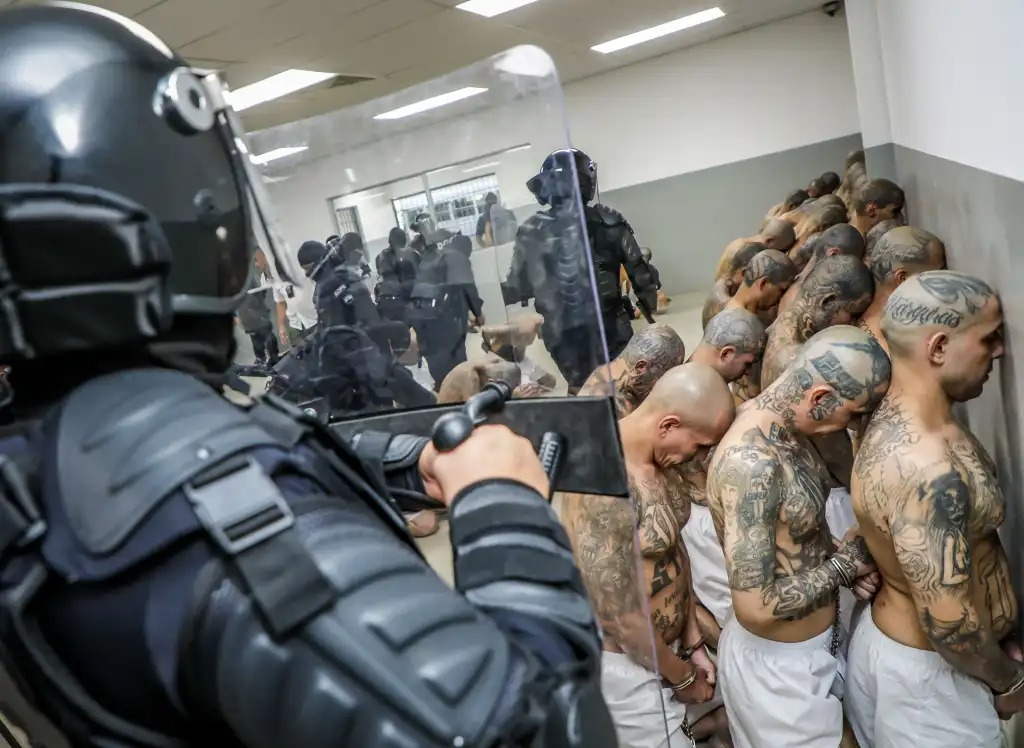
(779, 694)
(644, 711)
(839, 512)
(707, 564)
(901, 697)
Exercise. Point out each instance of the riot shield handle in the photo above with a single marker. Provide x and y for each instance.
(452, 429)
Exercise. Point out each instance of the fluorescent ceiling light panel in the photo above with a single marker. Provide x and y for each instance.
(432, 103)
(364, 198)
(656, 32)
(488, 165)
(491, 8)
(275, 87)
(277, 153)
(519, 148)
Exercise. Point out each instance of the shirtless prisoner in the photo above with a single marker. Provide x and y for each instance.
(835, 292)
(768, 276)
(726, 286)
(877, 201)
(841, 239)
(733, 343)
(900, 254)
(778, 655)
(877, 232)
(776, 234)
(685, 414)
(649, 354)
(934, 660)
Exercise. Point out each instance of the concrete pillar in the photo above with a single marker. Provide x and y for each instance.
(872, 92)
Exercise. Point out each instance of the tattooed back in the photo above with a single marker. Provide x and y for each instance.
(935, 490)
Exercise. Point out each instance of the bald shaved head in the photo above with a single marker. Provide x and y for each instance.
(839, 373)
(905, 251)
(736, 328)
(779, 234)
(693, 392)
(744, 255)
(831, 180)
(650, 353)
(836, 291)
(841, 239)
(771, 264)
(830, 199)
(688, 412)
(877, 232)
(794, 200)
(945, 326)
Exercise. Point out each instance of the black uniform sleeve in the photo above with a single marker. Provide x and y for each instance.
(401, 659)
(644, 285)
(461, 280)
(518, 283)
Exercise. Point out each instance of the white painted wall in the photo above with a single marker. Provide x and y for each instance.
(780, 86)
(954, 82)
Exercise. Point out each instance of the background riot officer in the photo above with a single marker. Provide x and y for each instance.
(544, 266)
(396, 275)
(443, 297)
(178, 570)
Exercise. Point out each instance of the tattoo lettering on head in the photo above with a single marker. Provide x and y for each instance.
(937, 298)
(737, 328)
(904, 311)
(902, 248)
(832, 371)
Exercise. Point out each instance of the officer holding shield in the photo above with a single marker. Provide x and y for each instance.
(179, 570)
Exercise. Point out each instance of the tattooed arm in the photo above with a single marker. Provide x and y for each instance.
(607, 555)
(929, 531)
(752, 497)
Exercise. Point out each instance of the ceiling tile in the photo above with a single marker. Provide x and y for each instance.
(179, 22)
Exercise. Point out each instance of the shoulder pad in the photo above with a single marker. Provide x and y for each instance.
(126, 441)
(608, 216)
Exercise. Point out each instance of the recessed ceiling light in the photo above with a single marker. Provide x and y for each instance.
(491, 8)
(488, 165)
(275, 87)
(277, 153)
(364, 198)
(655, 32)
(432, 103)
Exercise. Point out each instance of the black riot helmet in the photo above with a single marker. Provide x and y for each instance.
(129, 209)
(559, 172)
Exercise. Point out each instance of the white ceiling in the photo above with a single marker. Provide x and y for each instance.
(399, 43)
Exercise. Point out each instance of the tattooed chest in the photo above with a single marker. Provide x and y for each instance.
(662, 510)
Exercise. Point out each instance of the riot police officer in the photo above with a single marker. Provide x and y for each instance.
(562, 290)
(443, 297)
(396, 275)
(178, 570)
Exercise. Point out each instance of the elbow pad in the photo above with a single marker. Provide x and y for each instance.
(399, 661)
(512, 553)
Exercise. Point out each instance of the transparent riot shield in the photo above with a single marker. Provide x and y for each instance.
(441, 258)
